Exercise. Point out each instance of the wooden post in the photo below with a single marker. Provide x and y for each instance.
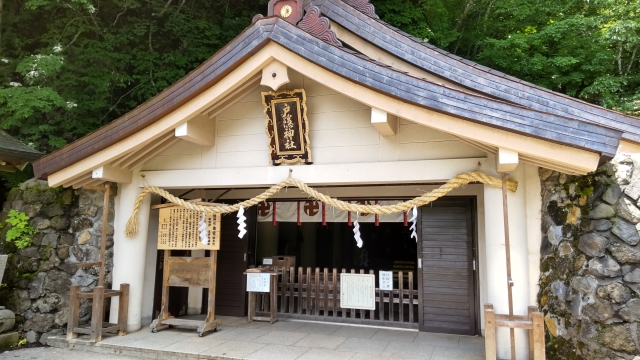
(344, 311)
(335, 291)
(96, 314)
(316, 296)
(352, 311)
(325, 291)
(307, 302)
(292, 278)
(300, 297)
(274, 298)
(530, 311)
(164, 309)
(538, 336)
(105, 222)
(74, 309)
(123, 309)
(489, 333)
(411, 297)
(400, 296)
(505, 210)
(285, 293)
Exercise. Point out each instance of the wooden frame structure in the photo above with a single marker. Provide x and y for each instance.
(99, 293)
(309, 294)
(272, 315)
(187, 272)
(534, 322)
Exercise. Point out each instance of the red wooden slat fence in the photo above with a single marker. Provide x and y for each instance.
(315, 295)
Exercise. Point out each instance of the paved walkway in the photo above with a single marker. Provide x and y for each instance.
(285, 340)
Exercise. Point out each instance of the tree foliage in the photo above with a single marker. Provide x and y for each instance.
(583, 48)
(68, 67)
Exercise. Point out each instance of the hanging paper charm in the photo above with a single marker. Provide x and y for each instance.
(356, 231)
(203, 230)
(241, 223)
(414, 221)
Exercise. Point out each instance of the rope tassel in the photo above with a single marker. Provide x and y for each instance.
(356, 232)
(455, 183)
(241, 223)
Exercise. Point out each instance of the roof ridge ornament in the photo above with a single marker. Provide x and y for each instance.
(363, 6)
(317, 25)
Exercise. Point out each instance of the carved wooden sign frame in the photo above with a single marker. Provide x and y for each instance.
(287, 127)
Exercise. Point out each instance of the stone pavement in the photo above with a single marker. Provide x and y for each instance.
(284, 340)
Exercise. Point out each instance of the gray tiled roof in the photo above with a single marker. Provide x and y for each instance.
(13, 150)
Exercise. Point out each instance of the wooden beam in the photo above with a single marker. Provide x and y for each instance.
(199, 130)
(233, 97)
(113, 174)
(77, 180)
(507, 160)
(385, 123)
(135, 155)
(8, 168)
(158, 149)
(145, 152)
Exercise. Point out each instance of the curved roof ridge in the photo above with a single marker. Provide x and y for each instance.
(463, 71)
(354, 67)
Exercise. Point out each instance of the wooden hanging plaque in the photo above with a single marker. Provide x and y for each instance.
(287, 127)
(179, 229)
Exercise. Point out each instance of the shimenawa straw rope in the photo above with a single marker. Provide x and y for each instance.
(455, 183)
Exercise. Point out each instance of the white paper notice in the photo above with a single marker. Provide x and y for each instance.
(358, 291)
(386, 280)
(258, 282)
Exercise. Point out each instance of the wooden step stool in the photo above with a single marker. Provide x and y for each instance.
(97, 326)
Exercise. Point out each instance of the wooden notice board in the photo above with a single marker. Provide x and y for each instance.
(179, 229)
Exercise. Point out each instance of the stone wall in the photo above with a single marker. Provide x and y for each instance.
(69, 231)
(590, 262)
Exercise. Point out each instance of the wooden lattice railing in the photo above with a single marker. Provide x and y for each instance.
(315, 295)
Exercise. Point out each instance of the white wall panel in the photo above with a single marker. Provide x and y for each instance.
(340, 133)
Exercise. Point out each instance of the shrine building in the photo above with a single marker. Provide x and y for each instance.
(327, 94)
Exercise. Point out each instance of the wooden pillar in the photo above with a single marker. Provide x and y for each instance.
(489, 333)
(74, 310)
(538, 336)
(507, 245)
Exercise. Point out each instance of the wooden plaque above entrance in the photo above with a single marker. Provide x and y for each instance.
(179, 229)
(287, 127)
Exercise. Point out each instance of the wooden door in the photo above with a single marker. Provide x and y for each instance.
(447, 247)
(234, 257)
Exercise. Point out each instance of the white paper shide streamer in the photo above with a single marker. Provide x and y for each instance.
(414, 222)
(356, 231)
(203, 230)
(242, 225)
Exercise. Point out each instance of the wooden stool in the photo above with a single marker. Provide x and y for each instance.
(97, 326)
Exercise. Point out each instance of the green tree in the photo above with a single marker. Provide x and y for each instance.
(583, 48)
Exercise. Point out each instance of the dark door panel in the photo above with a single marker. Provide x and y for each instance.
(447, 280)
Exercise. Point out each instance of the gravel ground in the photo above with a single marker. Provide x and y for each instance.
(51, 353)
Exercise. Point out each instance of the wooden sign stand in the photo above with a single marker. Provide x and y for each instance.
(272, 315)
(187, 272)
(179, 229)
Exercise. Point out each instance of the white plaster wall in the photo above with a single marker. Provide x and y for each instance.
(495, 270)
(148, 288)
(129, 255)
(340, 133)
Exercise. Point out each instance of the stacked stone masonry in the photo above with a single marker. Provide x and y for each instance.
(590, 262)
(37, 278)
